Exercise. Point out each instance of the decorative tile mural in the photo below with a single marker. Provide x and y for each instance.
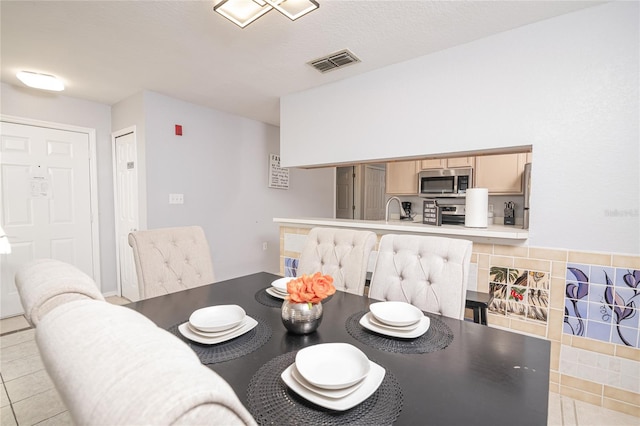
(522, 294)
(601, 303)
(290, 266)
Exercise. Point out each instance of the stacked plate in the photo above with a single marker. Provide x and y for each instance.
(217, 324)
(278, 288)
(337, 376)
(395, 319)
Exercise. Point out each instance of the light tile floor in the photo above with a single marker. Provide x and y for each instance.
(28, 397)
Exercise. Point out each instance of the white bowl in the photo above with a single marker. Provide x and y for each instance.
(217, 318)
(397, 314)
(281, 284)
(332, 365)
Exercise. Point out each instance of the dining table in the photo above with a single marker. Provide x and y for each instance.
(457, 373)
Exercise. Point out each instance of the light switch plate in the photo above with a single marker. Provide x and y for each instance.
(176, 198)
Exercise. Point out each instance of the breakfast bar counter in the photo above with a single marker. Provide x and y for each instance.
(492, 234)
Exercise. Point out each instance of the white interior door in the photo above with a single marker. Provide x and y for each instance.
(374, 189)
(344, 192)
(46, 202)
(126, 203)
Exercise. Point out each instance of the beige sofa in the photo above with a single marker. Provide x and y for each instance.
(113, 366)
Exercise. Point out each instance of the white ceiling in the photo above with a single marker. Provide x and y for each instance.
(106, 51)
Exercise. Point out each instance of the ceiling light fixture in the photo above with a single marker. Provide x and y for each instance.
(244, 12)
(40, 81)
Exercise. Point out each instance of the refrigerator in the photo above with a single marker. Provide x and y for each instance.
(526, 184)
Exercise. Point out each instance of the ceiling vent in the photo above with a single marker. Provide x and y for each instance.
(334, 61)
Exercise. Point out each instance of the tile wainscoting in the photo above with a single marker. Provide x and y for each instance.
(535, 290)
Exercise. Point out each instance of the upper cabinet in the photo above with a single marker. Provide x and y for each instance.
(446, 163)
(402, 177)
(460, 162)
(433, 163)
(501, 174)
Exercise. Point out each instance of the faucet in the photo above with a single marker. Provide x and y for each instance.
(386, 208)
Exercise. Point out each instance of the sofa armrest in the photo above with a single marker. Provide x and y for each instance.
(44, 284)
(112, 365)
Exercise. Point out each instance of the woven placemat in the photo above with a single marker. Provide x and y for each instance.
(266, 299)
(271, 402)
(439, 336)
(231, 349)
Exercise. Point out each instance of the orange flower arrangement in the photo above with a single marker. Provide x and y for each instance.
(310, 288)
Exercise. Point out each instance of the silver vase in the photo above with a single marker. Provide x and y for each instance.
(301, 318)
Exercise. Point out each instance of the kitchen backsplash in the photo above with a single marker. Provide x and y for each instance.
(497, 201)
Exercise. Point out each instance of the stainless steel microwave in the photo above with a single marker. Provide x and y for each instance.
(445, 182)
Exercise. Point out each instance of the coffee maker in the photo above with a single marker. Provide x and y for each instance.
(406, 211)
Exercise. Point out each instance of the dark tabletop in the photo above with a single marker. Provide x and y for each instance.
(485, 376)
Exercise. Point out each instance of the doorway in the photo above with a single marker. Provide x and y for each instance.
(360, 192)
(49, 200)
(125, 165)
(345, 202)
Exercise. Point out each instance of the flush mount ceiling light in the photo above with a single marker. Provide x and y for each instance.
(40, 81)
(244, 12)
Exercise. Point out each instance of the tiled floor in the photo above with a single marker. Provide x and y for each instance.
(28, 397)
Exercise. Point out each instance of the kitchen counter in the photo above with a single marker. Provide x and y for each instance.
(499, 234)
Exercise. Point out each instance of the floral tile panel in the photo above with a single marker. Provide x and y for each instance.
(601, 303)
(290, 266)
(519, 293)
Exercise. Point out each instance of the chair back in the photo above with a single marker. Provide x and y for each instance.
(341, 253)
(429, 272)
(171, 259)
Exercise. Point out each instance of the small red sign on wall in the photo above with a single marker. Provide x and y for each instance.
(178, 130)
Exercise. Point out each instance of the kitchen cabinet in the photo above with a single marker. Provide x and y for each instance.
(459, 162)
(433, 163)
(446, 163)
(501, 174)
(402, 178)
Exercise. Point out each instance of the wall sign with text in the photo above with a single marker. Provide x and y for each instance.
(278, 176)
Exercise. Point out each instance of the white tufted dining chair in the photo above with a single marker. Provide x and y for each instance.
(171, 259)
(341, 253)
(429, 272)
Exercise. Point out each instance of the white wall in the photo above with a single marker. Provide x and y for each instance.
(568, 86)
(220, 165)
(35, 105)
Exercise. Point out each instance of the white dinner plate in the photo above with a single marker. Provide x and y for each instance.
(273, 292)
(374, 321)
(216, 333)
(370, 384)
(248, 324)
(329, 393)
(283, 293)
(398, 314)
(217, 318)
(422, 328)
(332, 365)
(281, 284)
